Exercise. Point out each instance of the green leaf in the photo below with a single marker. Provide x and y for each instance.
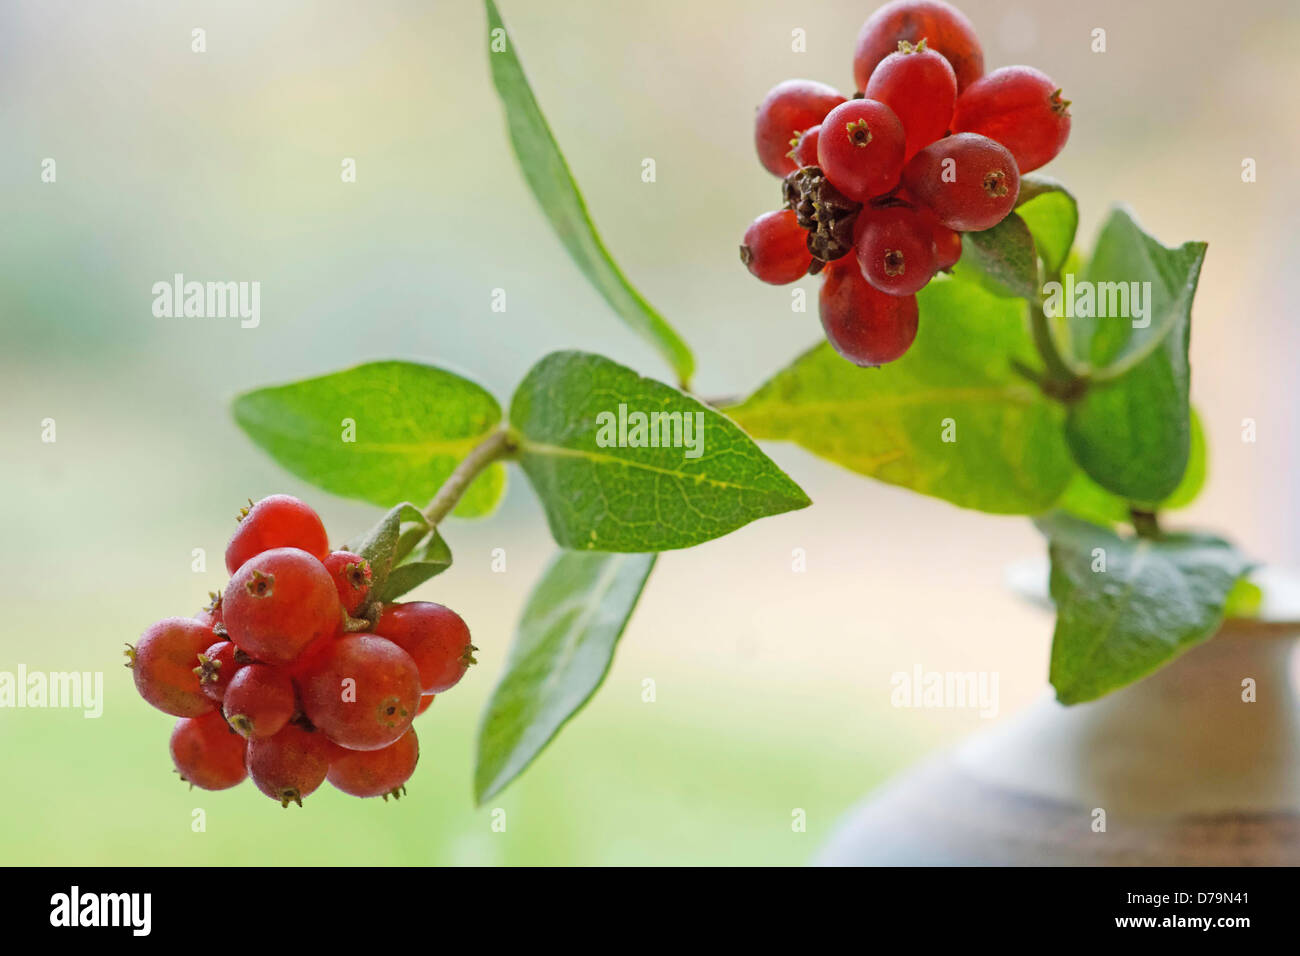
(1127, 606)
(1132, 433)
(1244, 600)
(1084, 498)
(890, 423)
(561, 654)
(432, 558)
(1052, 215)
(549, 178)
(1002, 259)
(411, 424)
(606, 488)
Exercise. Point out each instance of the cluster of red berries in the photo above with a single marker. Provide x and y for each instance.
(879, 188)
(294, 676)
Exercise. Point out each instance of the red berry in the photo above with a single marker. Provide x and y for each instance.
(425, 703)
(376, 773)
(947, 245)
(162, 663)
(775, 248)
(259, 701)
(363, 691)
(280, 521)
(943, 28)
(207, 753)
(860, 149)
(866, 326)
(788, 109)
(279, 602)
(804, 152)
(968, 181)
(436, 637)
(919, 86)
(218, 666)
(1022, 109)
(290, 765)
(352, 577)
(895, 249)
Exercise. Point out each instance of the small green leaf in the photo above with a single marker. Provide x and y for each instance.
(381, 545)
(1002, 259)
(1084, 498)
(950, 418)
(1052, 215)
(561, 654)
(413, 569)
(549, 178)
(1127, 606)
(586, 426)
(1131, 431)
(385, 432)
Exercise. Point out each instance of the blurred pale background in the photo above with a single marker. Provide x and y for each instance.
(773, 687)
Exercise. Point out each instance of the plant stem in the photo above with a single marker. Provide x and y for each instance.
(1144, 523)
(1058, 370)
(496, 446)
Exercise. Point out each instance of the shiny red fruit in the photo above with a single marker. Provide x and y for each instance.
(968, 181)
(362, 692)
(279, 521)
(291, 765)
(259, 701)
(788, 109)
(860, 149)
(207, 753)
(352, 578)
(278, 602)
(864, 325)
(943, 27)
(163, 662)
(376, 773)
(436, 637)
(1022, 109)
(895, 249)
(775, 248)
(919, 86)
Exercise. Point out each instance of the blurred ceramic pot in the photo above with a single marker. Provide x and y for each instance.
(1177, 768)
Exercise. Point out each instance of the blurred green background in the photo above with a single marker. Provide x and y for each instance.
(773, 686)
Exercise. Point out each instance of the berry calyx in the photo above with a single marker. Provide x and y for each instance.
(943, 28)
(895, 249)
(918, 84)
(352, 578)
(217, 667)
(436, 637)
(967, 180)
(207, 753)
(376, 773)
(775, 248)
(788, 109)
(864, 325)
(1022, 109)
(362, 692)
(162, 663)
(860, 149)
(278, 602)
(289, 766)
(278, 521)
(259, 701)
